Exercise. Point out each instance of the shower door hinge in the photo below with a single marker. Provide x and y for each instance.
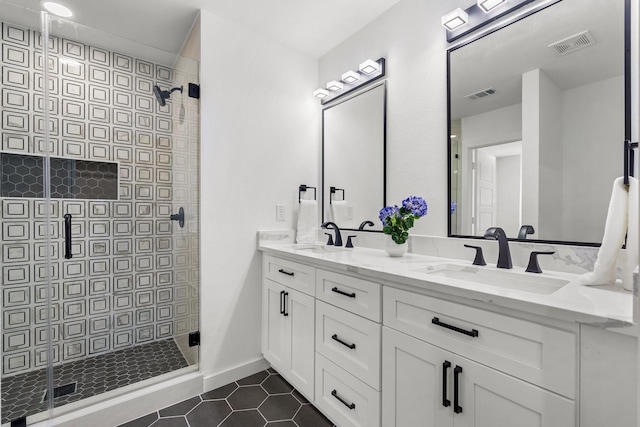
(194, 338)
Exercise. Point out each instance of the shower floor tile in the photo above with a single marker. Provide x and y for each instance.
(22, 394)
(264, 399)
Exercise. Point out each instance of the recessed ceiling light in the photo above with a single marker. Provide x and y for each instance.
(57, 9)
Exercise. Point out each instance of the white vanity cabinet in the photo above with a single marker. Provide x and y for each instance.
(348, 334)
(288, 315)
(455, 365)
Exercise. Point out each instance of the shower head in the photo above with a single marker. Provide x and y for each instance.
(163, 95)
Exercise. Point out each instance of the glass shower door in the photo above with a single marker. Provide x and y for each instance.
(100, 285)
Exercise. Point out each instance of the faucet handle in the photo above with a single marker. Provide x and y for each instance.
(330, 241)
(349, 242)
(533, 266)
(479, 259)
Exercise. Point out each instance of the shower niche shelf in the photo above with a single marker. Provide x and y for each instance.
(23, 176)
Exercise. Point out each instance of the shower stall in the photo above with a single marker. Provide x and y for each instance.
(99, 195)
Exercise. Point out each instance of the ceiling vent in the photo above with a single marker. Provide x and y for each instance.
(573, 43)
(482, 94)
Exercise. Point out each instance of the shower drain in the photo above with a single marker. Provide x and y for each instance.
(62, 390)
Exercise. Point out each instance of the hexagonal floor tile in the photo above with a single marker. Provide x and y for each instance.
(308, 416)
(254, 379)
(220, 393)
(208, 413)
(275, 384)
(279, 407)
(248, 397)
(250, 418)
(181, 408)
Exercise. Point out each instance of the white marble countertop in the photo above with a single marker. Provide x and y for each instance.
(609, 307)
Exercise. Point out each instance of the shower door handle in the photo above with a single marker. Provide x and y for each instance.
(67, 237)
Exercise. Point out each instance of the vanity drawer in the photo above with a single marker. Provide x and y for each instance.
(351, 342)
(345, 399)
(540, 354)
(355, 295)
(289, 273)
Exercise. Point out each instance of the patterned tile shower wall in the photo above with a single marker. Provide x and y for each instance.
(133, 277)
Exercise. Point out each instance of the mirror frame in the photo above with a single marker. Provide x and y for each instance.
(384, 146)
(627, 110)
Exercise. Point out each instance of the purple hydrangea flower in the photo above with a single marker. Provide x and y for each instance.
(386, 212)
(416, 205)
(454, 206)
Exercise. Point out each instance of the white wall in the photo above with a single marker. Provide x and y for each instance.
(493, 127)
(591, 114)
(260, 140)
(410, 37)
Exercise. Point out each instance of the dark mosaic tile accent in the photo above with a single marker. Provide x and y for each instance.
(282, 407)
(22, 176)
(22, 394)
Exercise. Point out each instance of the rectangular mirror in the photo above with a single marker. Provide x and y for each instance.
(537, 123)
(353, 159)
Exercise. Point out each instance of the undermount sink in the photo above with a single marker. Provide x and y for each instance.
(319, 249)
(506, 279)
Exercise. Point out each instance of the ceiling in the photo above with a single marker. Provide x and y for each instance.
(312, 27)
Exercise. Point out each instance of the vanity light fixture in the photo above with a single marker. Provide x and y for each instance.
(350, 77)
(57, 9)
(368, 67)
(335, 85)
(320, 93)
(370, 71)
(488, 5)
(454, 19)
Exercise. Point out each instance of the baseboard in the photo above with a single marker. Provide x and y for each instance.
(130, 406)
(213, 381)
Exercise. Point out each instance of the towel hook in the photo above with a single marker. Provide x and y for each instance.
(303, 188)
(332, 190)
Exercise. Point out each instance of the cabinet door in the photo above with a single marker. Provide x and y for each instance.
(492, 399)
(275, 341)
(412, 382)
(301, 317)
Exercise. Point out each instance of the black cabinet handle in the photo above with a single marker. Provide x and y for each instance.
(281, 302)
(445, 402)
(456, 407)
(286, 297)
(347, 294)
(335, 337)
(344, 402)
(471, 333)
(67, 236)
(288, 273)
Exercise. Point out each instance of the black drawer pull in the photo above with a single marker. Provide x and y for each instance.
(347, 294)
(344, 402)
(281, 302)
(288, 273)
(335, 337)
(286, 300)
(471, 333)
(445, 365)
(456, 372)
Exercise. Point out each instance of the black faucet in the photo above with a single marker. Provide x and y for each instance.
(365, 223)
(524, 230)
(504, 255)
(329, 225)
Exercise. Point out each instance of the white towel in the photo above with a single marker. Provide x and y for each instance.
(307, 221)
(339, 211)
(622, 214)
(631, 261)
